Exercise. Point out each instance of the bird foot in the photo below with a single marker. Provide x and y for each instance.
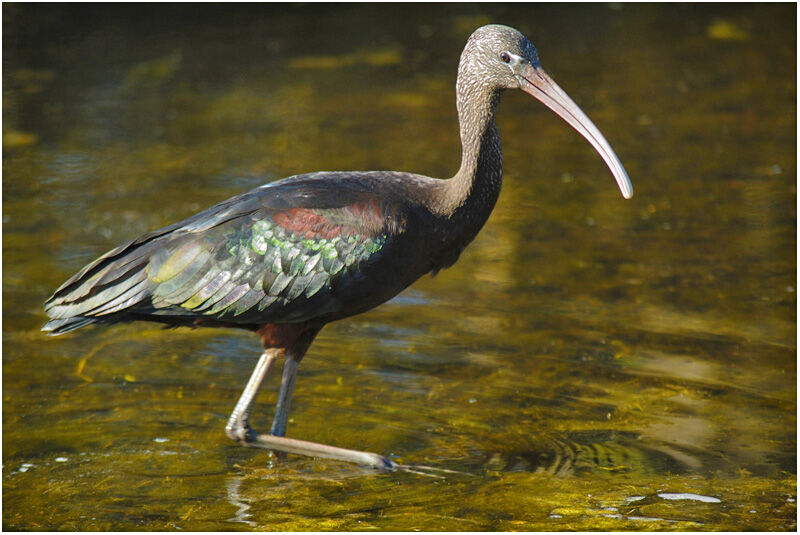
(247, 437)
(240, 431)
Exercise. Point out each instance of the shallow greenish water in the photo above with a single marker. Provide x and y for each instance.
(589, 363)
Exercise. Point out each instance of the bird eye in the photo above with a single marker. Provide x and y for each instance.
(505, 57)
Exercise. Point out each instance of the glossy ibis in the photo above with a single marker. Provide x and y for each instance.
(289, 257)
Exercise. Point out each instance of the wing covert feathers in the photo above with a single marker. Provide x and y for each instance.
(237, 262)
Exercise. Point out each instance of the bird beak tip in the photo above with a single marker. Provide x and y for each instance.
(627, 192)
(627, 189)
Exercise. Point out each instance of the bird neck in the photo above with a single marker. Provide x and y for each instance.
(472, 192)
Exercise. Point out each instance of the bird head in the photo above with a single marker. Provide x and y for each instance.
(503, 58)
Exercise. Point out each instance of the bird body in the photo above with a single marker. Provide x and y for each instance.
(311, 248)
(289, 257)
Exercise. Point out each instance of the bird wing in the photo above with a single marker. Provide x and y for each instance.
(286, 252)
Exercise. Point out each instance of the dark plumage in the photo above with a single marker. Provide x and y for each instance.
(289, 257)
(311, 248)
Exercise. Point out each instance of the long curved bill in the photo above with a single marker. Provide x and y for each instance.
(537, 83)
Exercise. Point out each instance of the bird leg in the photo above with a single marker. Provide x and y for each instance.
(284, 396)
(239, 429)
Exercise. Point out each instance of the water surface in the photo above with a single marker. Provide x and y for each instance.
(589, 363)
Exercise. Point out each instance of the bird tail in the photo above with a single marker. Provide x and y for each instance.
(56, 327)
(118, 286)
(102, 291)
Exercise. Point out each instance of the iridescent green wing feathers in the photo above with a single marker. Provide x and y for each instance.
(254, 269)
(254, 259)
